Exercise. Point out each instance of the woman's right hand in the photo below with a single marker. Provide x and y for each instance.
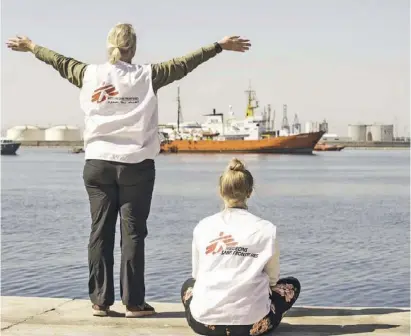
(235, 43)
(20, 43)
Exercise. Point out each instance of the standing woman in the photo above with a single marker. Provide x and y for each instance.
(121, 141)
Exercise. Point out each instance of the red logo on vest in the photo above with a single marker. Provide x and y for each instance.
(103, 92)
(219, 244)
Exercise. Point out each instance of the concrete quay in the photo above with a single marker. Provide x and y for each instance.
(47, 316)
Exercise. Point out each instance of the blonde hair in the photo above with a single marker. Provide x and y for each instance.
(121, 41)
(236, 185)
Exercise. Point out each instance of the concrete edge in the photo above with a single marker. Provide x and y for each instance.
(36, 315)
(32, 316)
(66, 300)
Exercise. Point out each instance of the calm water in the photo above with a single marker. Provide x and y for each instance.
(343, 221)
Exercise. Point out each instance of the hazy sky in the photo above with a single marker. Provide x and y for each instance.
(343, 60)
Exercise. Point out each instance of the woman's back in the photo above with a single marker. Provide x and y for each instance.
(230, 251)
(121, 117)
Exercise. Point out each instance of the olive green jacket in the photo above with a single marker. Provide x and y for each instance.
(162, 73)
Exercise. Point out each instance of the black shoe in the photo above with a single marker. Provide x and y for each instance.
(140, 311)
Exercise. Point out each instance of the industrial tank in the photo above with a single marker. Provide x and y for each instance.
(357, 133)
(63, 133)
(25, 133)
(380, 133)
(387, 132)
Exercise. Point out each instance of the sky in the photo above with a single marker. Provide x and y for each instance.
(346, 61)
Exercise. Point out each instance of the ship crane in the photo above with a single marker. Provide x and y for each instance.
(285, 124)
(296, 128)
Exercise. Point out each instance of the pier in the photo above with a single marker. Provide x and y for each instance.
(50, 316)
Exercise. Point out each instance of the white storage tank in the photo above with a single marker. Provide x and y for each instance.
(387, 132)
(357, 132)
(63, 133)
(25, 133)
(380, 133)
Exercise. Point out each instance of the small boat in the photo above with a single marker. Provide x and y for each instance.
(322, 147)
(77, 150)
(9, 147)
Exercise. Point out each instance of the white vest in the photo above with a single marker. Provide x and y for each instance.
(230, 251)
(121, 113)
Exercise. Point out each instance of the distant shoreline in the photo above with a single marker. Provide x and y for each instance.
(370, 145)
(348, 145)
(376, 148)
(52, 144)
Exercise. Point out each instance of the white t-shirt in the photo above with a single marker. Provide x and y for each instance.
(231, 250)
(121, 113)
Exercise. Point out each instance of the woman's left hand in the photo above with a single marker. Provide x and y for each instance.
(20, 43)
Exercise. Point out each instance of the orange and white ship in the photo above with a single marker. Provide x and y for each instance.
(254, 134)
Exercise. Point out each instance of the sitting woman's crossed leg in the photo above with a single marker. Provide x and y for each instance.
(283, 296)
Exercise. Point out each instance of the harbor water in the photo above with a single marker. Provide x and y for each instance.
(343, 221)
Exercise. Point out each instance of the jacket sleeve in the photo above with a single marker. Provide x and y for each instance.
(272, 268)
(69, 68)
(167, 72)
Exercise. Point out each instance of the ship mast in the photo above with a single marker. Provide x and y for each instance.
(179, 114)
(251, 97)
(271, 118)
(285, 124)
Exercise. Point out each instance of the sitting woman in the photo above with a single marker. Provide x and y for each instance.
(235, 289)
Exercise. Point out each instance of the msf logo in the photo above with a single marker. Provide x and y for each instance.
(104, 92)
(220, 244)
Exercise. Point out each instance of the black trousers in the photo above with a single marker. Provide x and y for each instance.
(118, 189)
(283, 296)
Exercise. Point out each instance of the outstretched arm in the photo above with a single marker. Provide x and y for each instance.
(69, 68)
(167, 72)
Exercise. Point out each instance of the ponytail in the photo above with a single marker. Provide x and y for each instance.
(114, 55)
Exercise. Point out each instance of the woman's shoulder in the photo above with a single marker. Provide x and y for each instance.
(264, 226)
(260, 220)
(208, 219)
(207, 222)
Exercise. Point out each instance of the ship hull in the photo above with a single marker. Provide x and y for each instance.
(328, 148)
(294, 144)
(10, 148)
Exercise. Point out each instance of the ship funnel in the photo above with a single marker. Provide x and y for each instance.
(214, 111)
